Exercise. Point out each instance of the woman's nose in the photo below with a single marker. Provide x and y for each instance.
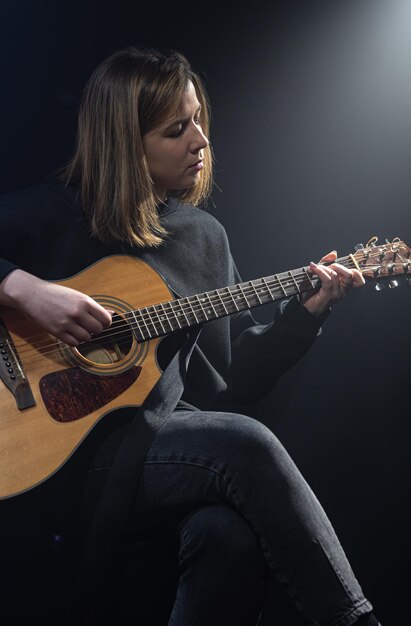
(199, 141)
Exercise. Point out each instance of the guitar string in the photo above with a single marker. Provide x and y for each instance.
(214, 297)
(229, 290)
(283, 279)
(107, 336)
(286, 280)
(250, 287)
(42, 349)
(214, 300)
(246, 289)
(186, 305)
(192, 310)
(99, 344)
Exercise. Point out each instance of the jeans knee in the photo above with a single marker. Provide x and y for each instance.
(255, 456)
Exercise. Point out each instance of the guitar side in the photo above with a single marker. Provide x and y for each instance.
(68, 399)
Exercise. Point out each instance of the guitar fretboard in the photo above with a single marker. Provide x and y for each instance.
(164, 318)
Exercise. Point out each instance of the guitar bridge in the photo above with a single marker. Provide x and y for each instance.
(11, 372)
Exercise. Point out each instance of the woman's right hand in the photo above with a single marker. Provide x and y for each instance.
(63, 312)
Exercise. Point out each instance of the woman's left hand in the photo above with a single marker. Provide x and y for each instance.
(335, 279)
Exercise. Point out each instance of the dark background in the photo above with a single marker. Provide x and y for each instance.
(312, 137)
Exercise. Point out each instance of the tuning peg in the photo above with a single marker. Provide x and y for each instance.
(372, 242)
(359, 246)
(408, 281)
(379, 286)
(393, 283)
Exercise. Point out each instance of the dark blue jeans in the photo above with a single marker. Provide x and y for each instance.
(230, 489)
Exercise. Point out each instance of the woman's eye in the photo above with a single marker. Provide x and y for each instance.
(176, 132)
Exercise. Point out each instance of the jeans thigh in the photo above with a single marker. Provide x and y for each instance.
(185, 467)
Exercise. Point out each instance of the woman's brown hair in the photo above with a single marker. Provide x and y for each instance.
(130, 93)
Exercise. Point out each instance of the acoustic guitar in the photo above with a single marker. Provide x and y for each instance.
(51, 394)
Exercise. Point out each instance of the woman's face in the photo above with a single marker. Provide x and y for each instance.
(174, 150)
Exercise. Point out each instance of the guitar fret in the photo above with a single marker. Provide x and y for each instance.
(201, 307)
(178, 302)
(217, 292)
(132, 322)
(268, 288)
(307, 275)
(264, 291)
(251, 283)
(150, 322)
(173, 314)
(211, 304)
(159, 311)
(166, 317)
(140, 330)
(232, 298)
(163, 318)
(280, 284)
(160, 321)
(154, 319)
(192, 310)
(243, 294)
(291, 275)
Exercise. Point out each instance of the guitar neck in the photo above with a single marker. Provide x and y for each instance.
(164, 318)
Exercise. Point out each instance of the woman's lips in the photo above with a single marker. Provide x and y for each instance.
(196, 166)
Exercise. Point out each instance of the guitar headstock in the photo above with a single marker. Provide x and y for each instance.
(387, 260)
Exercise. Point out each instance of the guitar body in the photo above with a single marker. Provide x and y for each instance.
(63, 392)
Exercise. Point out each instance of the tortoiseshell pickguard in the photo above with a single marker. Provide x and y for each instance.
(73, 393)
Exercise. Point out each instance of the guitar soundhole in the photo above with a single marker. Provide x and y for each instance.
(111, 346)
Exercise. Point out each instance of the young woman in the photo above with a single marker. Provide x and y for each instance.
(215, 478)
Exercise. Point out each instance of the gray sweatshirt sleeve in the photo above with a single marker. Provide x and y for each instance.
(262, 353)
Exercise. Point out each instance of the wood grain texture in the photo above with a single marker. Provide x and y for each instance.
(33, 445)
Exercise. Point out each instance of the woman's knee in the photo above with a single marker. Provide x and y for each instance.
(249, 446)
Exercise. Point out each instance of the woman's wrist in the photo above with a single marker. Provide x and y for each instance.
(315, 307)
(14, 286)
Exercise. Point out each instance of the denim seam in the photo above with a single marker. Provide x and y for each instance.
(339, 575)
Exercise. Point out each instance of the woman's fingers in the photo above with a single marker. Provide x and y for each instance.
(330, 257)
(69, 315)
